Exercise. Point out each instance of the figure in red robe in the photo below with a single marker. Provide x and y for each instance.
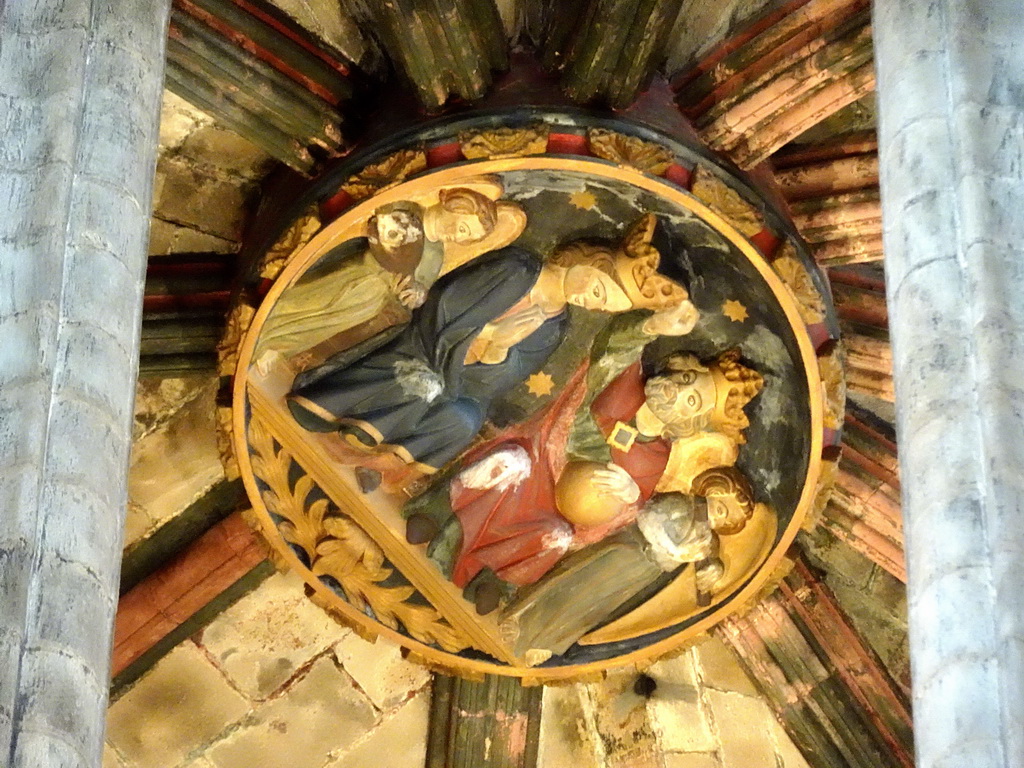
(505, 500)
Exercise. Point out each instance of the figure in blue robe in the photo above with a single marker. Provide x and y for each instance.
(415, 393)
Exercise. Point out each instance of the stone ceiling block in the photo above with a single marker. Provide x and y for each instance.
(401, 740)
(740, 727)
(379, 669)
(321, 714)
(566, 740)
(719, 669)
(262, 640)
(183, 703)
(692, 760)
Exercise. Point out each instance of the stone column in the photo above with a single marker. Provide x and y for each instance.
(951, 148)
(80, 87)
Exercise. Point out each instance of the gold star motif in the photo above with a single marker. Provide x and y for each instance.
(540, 384)
(583, 200)
(734, 311)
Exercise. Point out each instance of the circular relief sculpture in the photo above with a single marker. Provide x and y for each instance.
(536, 412)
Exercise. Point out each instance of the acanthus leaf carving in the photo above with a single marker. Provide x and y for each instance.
(337, 547)
(626, 150)
(387, 173)
(726, 202)
(504, 142)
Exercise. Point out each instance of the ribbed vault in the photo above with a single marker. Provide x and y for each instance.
(262, 97)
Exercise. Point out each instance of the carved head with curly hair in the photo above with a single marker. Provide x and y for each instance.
(690, 396)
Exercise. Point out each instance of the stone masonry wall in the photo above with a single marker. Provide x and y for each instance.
(705, 713)
(205, 178)
(273, 682)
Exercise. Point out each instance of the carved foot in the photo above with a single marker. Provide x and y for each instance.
(368, 479)
(487, 597)
(420, 529)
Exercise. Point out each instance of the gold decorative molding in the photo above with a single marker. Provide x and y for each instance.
(630, 151)
(726, 202)
(337, 547)
(387, 173)
(798, 280)
(504, 142)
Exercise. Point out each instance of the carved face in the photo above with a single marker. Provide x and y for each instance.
(590, 288)
(450, 227)
(681, 396)
(395, 229)
(725, 512)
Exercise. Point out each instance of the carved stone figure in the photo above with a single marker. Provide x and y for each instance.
(672, 531)
(483, 329)
(521, 506)
(403, 253)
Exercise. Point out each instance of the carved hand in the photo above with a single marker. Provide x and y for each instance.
(411, 294)
(616, 481)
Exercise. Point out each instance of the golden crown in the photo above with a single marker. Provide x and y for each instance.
(636, 269)
(735, 386)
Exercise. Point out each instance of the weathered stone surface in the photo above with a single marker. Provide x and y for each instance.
(204, 178)
(743, 745)
(110, 758)
(676, 710)
(262, 640)
(157, 400)
(178, 119)
(950, 148)
(166, 238)
(327, 21)
(81, 90)
(233, 155)
(320, 714)
(692, 760)
(174, 465)
(567, 736)
(195, 198)
(399, 740)
(622, 723)
(702, 26)
(720, 669)
(182, 703)
(379, 669)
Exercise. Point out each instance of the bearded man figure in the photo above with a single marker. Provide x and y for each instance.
(521, 506)
(671, 532)
(484, 328)
(400, 257)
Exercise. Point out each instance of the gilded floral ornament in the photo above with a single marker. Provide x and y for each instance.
(297, 235)
(796, 277)
(826, 484)
(834, 381)
(504, 142)
(626, 150)
(387, 173)
(726, 202)
(335, 546)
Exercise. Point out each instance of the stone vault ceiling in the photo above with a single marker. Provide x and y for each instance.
(220, 661)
